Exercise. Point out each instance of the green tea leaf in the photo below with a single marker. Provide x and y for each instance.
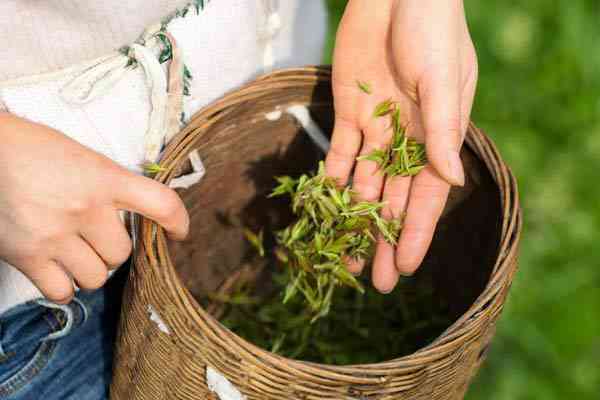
(286, 185)
(383, 108)
(278, 343)
(153, 168)
(364, 86)
(256, 240)
(292, 288)
(378, 156)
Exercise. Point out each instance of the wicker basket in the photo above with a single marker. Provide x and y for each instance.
(167, 340)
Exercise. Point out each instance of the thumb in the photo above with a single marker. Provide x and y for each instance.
(153, 200)
(439, 96)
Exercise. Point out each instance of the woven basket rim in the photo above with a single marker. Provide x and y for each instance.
(153, 251)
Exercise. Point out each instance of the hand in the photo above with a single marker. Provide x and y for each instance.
(59, 208)
(419, 53)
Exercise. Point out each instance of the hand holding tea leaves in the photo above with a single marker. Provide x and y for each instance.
(325, 313)
(333, 227)
(419, 53)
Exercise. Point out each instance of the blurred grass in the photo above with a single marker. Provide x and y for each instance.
(539, 99)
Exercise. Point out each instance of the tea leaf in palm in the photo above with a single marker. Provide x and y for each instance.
(384, 108)
(364, 86)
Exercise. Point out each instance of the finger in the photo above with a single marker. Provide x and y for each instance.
(385, 275)
(439, 96)
(346, 137)
(426, 202)
(469, 69)
(345, 143)
(106, 234)
(83, 263)
(51, 279)
(395, 196)
(368, 176)
(154, 201)
(468, 96)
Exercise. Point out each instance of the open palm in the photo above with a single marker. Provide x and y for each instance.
(418, 53)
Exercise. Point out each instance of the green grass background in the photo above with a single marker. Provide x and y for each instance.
(539, 99)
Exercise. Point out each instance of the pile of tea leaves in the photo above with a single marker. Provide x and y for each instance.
(360, 328)
(316, 309)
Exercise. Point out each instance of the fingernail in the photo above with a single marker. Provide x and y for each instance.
(404, 273)
(456, 168)
(387, 291)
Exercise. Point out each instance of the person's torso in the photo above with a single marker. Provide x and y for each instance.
(52, 46)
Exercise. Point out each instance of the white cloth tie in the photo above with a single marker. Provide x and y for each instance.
(157, 82)
(101, 77)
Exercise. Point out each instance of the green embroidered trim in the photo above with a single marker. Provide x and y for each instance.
(166, 53)
(197, 5)
(187, 80)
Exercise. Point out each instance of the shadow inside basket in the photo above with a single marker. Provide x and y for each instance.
(242, 155)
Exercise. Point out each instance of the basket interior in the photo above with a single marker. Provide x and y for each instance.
(244, 151)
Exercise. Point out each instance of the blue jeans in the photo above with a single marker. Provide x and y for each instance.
(52, 352)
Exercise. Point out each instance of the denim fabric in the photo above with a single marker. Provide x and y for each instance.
(52, 352)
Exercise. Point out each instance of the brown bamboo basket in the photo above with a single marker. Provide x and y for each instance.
(473, 257)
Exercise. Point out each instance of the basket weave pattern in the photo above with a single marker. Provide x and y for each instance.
(154, 365)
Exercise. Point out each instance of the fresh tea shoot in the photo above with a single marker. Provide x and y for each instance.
(405, 156)
(384, 108)
(256, 240)
(365, 87)
(151, 168)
